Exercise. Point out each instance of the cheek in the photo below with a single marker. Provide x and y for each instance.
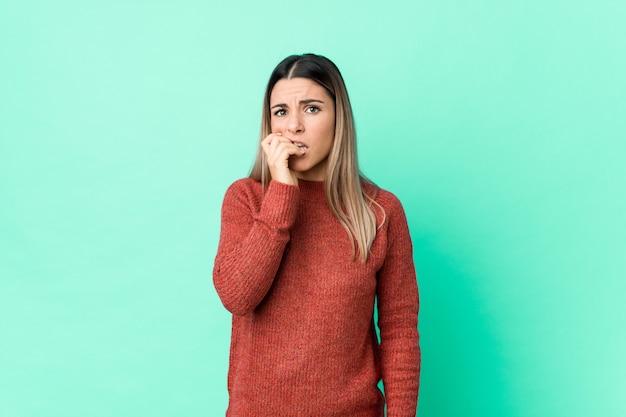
(330, 129)
(277, 125)
(330, 123)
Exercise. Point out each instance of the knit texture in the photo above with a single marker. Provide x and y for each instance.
(303, 334)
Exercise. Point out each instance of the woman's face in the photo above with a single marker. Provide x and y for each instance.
(303, 111)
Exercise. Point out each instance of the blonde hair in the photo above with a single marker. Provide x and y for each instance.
(343, 184)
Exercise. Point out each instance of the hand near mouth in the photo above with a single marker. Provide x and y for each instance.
(278, 149)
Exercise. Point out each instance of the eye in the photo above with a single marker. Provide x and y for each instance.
(312, 109)
(280, 112)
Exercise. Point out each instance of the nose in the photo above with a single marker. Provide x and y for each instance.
(294, 124)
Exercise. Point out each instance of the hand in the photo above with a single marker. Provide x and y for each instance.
(278, 149)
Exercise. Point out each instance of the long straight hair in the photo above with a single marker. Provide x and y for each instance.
(343, 183)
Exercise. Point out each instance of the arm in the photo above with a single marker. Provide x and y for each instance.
(252, 243)
(398, 305)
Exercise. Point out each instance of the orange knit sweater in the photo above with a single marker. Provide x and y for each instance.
(303, 336)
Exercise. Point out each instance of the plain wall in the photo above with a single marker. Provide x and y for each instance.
(500, 125)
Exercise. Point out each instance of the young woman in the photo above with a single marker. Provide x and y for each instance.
(307, 245)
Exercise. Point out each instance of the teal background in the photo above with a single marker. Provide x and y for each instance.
(500, 125)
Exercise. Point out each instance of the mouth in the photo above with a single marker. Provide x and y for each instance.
(301, 145)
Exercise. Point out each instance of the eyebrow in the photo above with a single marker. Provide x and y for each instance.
(307, 101)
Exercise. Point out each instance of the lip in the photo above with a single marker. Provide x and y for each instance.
(299, 143)
(302, 146)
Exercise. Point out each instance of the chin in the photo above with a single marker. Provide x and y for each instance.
(300, 166)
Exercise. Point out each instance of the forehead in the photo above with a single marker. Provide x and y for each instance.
(297, 89)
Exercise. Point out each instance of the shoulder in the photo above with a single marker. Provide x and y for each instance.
(245, 185)
(393, 223)
(244, 190)
(387, 200)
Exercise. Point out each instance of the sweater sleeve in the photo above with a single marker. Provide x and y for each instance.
(251, 244)
(398, 305)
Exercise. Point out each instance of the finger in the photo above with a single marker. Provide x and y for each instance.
(287, 146)
(278, 153)
(274, 138)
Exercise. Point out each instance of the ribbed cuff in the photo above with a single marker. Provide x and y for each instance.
(280, 204)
